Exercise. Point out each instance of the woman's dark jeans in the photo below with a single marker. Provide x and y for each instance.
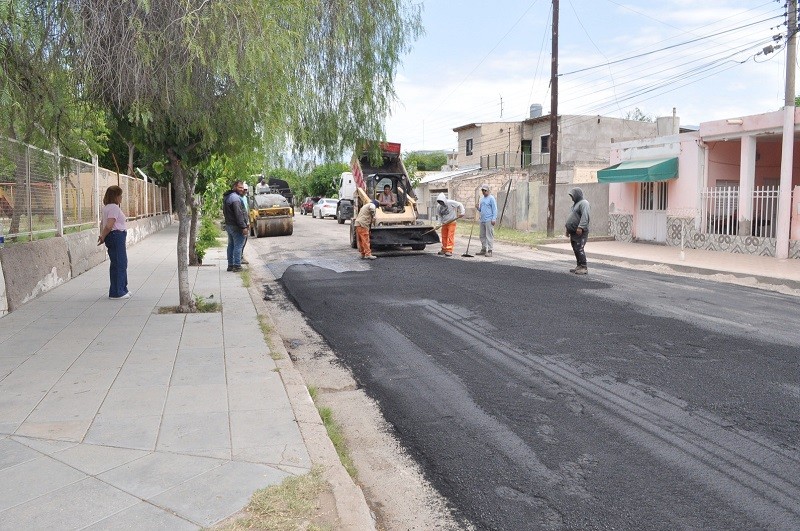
(118, 255)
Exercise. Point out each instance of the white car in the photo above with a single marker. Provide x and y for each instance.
(324, 207)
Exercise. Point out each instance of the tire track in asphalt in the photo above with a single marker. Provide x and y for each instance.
(749, 471)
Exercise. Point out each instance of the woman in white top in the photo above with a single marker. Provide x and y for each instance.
(113, 233)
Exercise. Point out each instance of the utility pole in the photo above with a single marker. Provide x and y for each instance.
(551, 181)
(787, 149)
(791, 55)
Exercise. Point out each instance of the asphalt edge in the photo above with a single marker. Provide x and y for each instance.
(352, 509)
(792, 284)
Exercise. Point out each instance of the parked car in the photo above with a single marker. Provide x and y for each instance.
(307, 206)
(325, 207)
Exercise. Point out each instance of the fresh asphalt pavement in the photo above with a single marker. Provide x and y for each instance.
(536, 399)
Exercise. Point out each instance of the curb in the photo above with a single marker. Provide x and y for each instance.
(792, 284)
(351, 505)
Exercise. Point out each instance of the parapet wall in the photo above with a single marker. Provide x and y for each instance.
(30, 269)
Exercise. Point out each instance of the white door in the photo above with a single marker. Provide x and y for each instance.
(651, 216)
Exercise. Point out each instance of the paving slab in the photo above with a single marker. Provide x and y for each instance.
(143, 515)
(71, 507)
(116, 416)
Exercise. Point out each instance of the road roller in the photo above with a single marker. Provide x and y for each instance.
(270, 215)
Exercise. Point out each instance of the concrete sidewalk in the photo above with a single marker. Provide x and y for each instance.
(114, 416)
(763, 269)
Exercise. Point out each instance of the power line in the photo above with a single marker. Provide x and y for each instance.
(645, 54)
(488, 53)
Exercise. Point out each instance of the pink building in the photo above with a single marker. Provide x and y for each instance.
(717, 188)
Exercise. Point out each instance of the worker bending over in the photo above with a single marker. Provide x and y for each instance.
(364, 220)
(449, 212)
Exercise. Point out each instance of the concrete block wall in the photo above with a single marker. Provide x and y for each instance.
(30, 269)
(33, 268)
(526, 207)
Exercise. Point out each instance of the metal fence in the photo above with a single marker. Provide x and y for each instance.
(44, 194)
(719, 211)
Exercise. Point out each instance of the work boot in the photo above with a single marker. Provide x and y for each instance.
(488, 254)
(230, 268)
(236, 269)
(581, 270)
(481, 252)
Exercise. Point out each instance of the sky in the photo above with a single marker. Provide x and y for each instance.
(482, 61)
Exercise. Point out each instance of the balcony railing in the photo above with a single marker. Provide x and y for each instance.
(507, 160)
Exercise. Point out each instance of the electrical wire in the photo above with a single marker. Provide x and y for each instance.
(672, 47)
(524, 13)
(678, 79)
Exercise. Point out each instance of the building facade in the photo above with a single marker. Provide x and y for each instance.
(725, 187)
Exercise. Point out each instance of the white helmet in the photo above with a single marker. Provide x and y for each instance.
(371, 207)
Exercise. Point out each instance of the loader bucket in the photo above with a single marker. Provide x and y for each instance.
(278, 226)
(409, 235)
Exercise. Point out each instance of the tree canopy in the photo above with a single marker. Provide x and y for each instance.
(219, 77)
(425, 160)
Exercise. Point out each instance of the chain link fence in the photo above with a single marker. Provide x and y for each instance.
(44, 194)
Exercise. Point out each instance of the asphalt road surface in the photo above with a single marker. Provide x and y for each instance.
(537, 399)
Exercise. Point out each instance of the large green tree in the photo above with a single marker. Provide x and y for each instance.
(203, 77)
(40, 101)
(323, 180)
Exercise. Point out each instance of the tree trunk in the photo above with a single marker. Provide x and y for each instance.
(20, 186)
(131, 152)
(20, 196)
(194, 211)
(186, 304)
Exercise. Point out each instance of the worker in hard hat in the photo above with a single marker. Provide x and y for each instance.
(364, 220)
(449, 211)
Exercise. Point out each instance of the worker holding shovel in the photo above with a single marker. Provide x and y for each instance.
(449, 212)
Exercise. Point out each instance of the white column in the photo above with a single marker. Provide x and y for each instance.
(785, 198)
(747, 178)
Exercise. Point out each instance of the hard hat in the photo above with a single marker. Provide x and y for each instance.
(485, 186)
(372, 206)
(245, 186)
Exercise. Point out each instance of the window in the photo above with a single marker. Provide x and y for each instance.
(469, 147)
(544, 144)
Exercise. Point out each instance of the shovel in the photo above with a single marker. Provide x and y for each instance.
(419, 236)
